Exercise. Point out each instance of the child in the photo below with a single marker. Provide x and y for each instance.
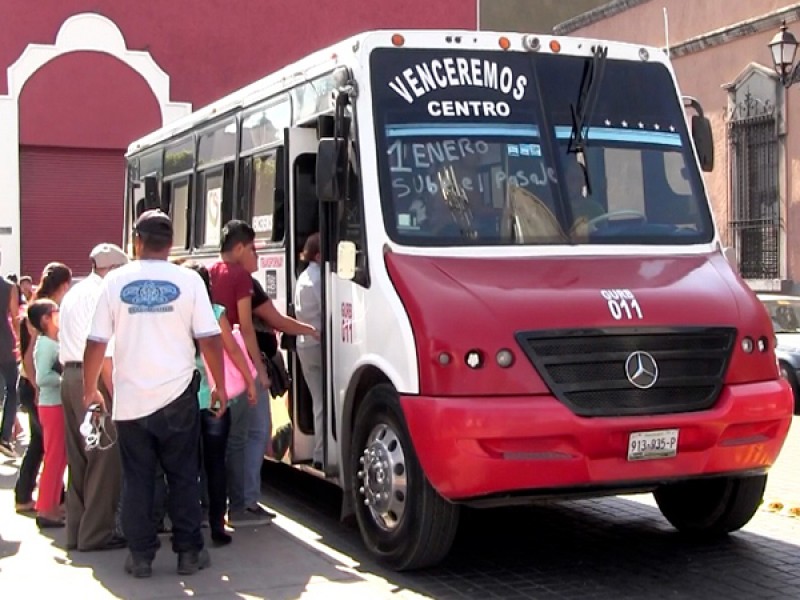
(43, 315)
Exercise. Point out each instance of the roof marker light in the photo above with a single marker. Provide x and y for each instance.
(398, 40)
(555, 45)
(644, 54)
(505, 43)
(532, 43)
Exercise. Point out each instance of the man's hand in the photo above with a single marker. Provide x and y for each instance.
(94, 397)
(219, 402)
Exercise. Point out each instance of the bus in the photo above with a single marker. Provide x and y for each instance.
(525, 295)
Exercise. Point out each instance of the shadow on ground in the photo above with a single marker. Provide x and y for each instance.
(600, 548)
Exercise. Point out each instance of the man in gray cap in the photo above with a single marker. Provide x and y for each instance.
(93, 488)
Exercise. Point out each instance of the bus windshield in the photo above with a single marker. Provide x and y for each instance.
(479, 148)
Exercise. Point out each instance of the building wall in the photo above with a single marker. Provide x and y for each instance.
(96, 74)
(705, 65)
(210, 48)
(539, 16)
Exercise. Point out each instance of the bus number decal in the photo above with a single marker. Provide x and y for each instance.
(622, 304)
(347, 323)
(270, 262)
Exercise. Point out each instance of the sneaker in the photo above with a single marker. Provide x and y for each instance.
(250, 517)
(260, 511)
(8, 449)
(138, 567)
(191, 561)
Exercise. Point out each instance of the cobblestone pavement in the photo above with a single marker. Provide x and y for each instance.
(619, 547)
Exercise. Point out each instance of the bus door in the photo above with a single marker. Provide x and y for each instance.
(304, 219)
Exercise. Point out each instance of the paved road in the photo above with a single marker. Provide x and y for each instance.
(616, 547)
(612, 548)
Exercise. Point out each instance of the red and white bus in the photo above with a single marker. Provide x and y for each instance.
(525, 293)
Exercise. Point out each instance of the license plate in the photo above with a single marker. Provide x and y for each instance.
(646, 445)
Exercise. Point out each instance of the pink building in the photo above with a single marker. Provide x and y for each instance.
(85, 78)
(720, 54)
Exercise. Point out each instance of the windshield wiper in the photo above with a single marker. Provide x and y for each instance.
(582, 111)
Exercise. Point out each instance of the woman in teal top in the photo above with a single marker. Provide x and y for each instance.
(215, 425)
(43, 315)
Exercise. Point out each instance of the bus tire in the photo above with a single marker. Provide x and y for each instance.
(404, 522)
(711, 507)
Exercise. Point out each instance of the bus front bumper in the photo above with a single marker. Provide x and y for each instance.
(473, 447)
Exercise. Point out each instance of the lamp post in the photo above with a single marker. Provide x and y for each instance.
(784, 49)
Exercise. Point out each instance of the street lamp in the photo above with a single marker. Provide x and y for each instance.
(784, 49)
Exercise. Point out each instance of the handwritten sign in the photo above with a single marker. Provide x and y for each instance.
(415, 166)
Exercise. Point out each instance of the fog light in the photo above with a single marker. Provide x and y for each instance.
(505, 358)
(474, 359)
(747, 345)
(763, 344)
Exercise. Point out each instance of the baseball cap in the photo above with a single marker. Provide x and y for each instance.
(154, 222)
(106, 256)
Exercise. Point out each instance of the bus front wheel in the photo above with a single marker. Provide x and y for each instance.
(404, 522)
(711, 507)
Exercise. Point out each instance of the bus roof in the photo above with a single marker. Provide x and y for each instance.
(327, 58)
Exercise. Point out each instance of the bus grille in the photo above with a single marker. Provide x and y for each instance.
(609, 372)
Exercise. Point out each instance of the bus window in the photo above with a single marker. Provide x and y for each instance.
(263, 195)
(179, 157)
(210, 215)
(177, 206)
(217, 144)
(264, 125)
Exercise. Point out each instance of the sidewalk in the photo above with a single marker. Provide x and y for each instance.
(280, 561)
(783, 485)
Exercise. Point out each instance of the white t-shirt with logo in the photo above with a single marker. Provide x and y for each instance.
(154, 310)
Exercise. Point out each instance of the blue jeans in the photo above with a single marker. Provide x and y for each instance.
(259, 428)
(169, 437)
(8, 375)
(247, 443)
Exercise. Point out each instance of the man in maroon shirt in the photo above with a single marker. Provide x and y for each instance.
(232, 287)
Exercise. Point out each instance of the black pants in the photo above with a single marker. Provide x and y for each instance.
(169, 437)
(215, 440)
(29, 469)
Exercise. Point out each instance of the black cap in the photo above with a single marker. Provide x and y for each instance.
(154, 222)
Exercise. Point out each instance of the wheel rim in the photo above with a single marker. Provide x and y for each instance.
(382, 477)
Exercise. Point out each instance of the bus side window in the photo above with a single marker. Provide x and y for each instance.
(214, 203)
(176, 204)
(262, 196)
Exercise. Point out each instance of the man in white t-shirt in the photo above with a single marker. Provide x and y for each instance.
(156, 310)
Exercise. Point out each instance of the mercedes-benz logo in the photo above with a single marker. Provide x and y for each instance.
(641, 369)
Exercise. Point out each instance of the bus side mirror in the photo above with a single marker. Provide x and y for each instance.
(346, 260)
(703, 141)
(331, 163)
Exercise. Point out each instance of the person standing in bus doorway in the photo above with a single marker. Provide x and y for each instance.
(155, 311)
(94, 482)
(308, 308)
(232, 287)
(9, 334)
